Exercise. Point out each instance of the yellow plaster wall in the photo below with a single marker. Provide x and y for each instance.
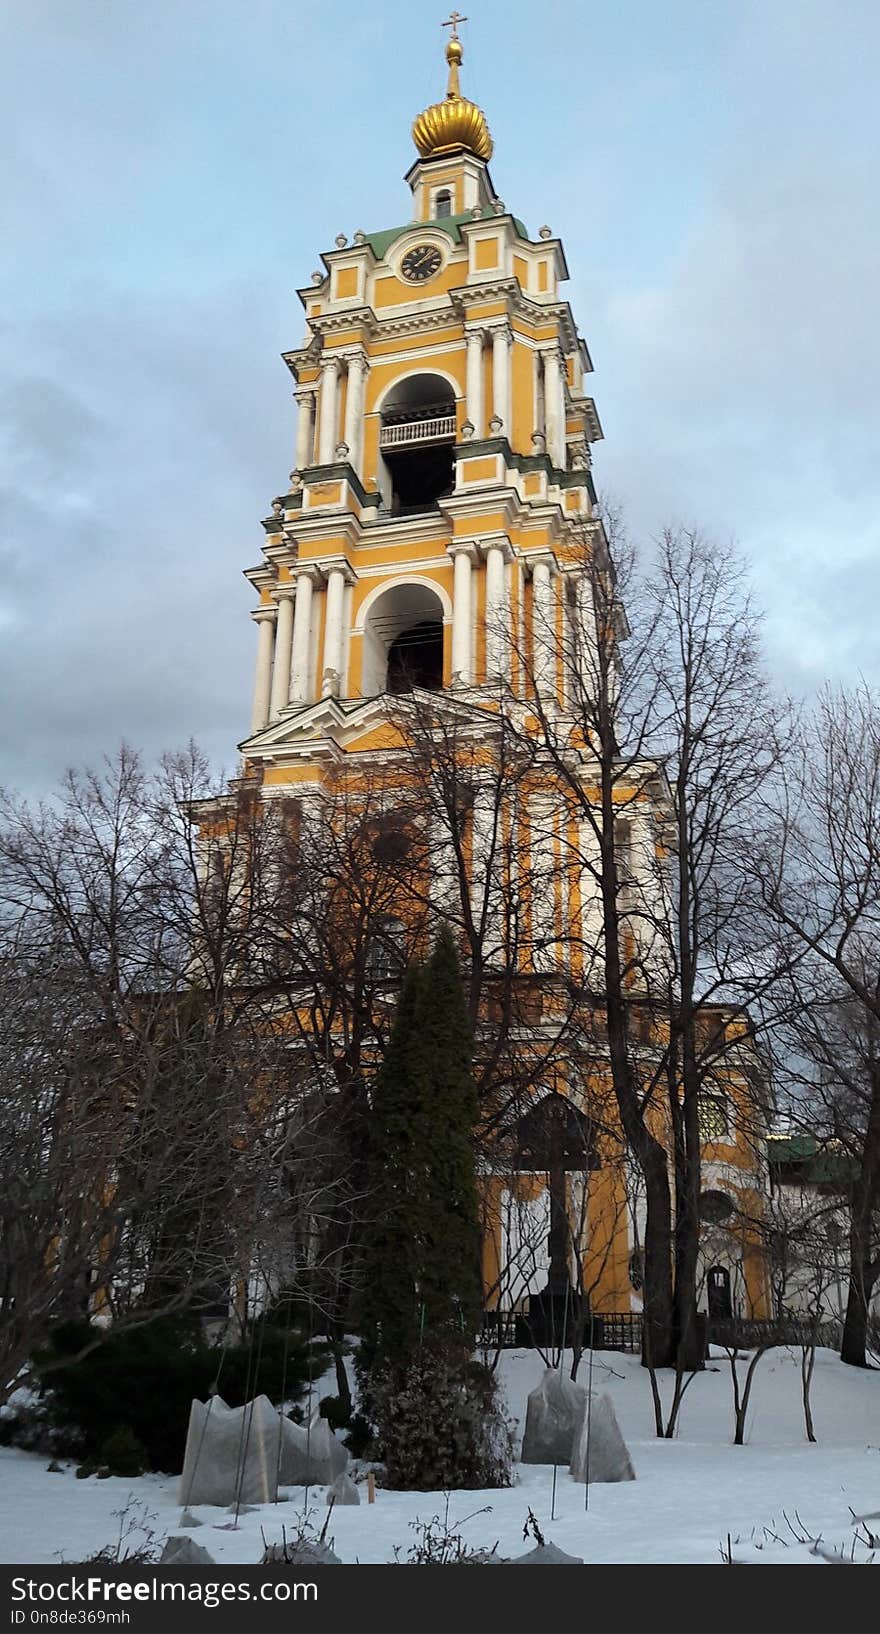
(483, 470)
(486, 254)
(391, 291)
(346, 282)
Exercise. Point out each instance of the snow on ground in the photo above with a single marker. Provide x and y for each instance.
(690, 1493)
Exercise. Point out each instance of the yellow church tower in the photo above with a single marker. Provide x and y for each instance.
(442, 456)
(438, 534)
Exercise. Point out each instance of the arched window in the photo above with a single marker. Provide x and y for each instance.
(415, 444)
(443, 203)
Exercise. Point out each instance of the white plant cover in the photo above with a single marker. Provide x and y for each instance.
(310, 1453)
(231, 1453)
(547, 1554)
(343, 1491)
(238, 1455)
(609, 1458)
(553, 1411)
(181, 1551)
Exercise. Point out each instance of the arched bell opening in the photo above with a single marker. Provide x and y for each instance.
(415, 658)
(416, 438)
(404, 641)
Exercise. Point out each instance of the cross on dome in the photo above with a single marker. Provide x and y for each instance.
(452, 21)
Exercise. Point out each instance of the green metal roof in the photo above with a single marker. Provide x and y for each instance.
(823, 1165)
(380, 243)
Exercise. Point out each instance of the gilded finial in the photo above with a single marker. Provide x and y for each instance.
(454, 52)
(454, 123)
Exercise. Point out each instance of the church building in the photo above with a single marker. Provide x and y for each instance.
(436, 521)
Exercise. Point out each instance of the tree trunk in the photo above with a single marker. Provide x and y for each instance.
(658, 1348)
(649, 1153)
(862, 1274)
(687, 1328)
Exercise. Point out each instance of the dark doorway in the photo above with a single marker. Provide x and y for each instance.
(718, 1293)
(415, 658)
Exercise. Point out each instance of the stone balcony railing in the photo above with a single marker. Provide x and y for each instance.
(403, 433)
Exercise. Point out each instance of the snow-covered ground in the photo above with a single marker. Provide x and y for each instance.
(689, 1495)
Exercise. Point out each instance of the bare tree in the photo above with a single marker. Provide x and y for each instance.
(140, 1147)
(721, 734)
(819, 874)
(667, 730)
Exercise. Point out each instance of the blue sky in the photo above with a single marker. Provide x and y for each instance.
(173, 172)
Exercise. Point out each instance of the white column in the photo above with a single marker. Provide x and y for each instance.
(264, 618)
(328, 425)
(281, 673)
(302, 636)
(333, 631)
(585, 634)
(544, 626)
(305, 427)
(554, 406)
(462, 618)
(354, 409)
(501, 339)
(495, 608)
(474, 380)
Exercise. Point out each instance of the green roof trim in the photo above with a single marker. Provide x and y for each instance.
(380, 243)
(521, 462)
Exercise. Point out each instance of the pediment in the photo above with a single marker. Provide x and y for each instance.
(334, 727)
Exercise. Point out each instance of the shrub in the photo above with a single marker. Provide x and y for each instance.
(143, 1380)
(274, 1357)
(123, 1454)
(439, 1425)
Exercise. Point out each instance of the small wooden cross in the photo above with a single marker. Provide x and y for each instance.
(452, 21)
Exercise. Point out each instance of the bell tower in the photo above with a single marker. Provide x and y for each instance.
(441, 494)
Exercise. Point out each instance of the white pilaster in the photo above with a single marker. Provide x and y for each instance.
(474, 380)
(283, 635)
(462, 616)
(501, 342)
(305, 427)
(354, 409)
(328, 427)
(554, 406)
(264, 618)
(497, 554)
(302, 636)
(544, 635)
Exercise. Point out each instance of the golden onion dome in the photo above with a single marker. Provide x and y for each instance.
(455, 122)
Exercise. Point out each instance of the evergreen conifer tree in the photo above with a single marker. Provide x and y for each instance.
(396, 1181)
(449, 1270)
(421, 1276)
(434, 1412)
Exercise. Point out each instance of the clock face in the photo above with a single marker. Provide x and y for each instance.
(420, 263)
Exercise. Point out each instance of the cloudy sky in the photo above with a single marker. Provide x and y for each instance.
(172, 171)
